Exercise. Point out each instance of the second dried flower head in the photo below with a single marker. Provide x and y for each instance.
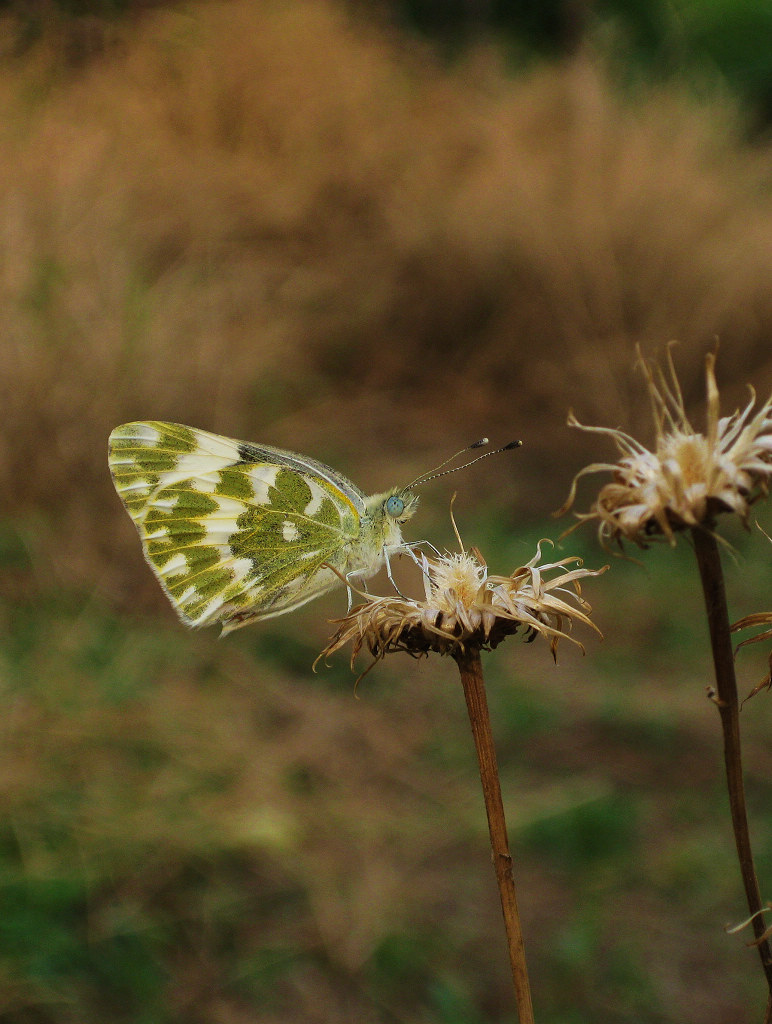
(688, 477)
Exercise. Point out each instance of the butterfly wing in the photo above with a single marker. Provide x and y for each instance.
(233, 531)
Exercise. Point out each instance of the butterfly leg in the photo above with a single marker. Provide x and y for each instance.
(407, 548)
(349, 589)
(417, 544)
(398, 549)
(420, 562)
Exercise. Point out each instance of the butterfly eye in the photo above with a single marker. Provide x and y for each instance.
(395, 506)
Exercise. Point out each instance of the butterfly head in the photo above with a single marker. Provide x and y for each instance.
(400, 505)
(393, 508)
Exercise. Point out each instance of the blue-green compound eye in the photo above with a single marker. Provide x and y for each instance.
(395, 506)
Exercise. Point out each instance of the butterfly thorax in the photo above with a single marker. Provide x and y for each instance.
(380, 531)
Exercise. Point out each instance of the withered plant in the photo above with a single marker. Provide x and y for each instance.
(682, 485)
(466, 610)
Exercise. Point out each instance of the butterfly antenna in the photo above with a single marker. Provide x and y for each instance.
(438, 471)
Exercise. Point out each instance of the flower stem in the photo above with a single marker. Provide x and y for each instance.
(711, 574)
(470, 667)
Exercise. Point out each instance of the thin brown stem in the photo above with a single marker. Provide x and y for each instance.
(711, 574)
(472, 680)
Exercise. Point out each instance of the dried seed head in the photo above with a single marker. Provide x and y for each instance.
(467, 608)
(689, 477)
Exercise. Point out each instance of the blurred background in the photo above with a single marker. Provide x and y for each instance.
(371, 232)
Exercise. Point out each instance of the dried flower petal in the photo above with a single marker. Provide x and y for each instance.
(465, 608)
(689, 477)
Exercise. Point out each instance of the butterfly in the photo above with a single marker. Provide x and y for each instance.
(237, 532)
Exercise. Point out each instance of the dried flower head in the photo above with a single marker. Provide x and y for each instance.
(467, 608)
(689, 477)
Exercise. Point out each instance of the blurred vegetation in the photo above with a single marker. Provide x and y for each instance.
(708, 44)
(294, 224)
(709, 41)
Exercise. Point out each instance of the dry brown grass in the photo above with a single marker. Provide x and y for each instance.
(272, 222)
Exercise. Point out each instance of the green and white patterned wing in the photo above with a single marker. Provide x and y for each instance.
(233, 531)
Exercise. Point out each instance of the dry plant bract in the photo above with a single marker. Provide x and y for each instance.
(751, 622)
(466, 610)
(688, 477)
(748, 622)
